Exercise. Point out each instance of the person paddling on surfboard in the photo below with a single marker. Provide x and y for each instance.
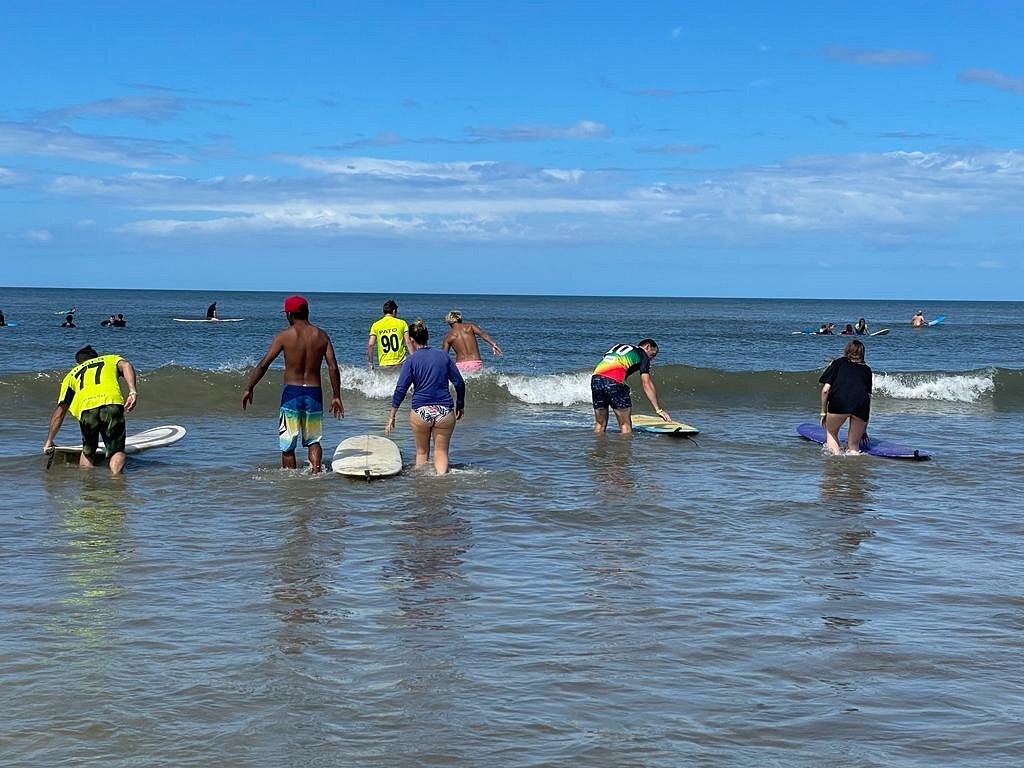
(917, 321)
(93, 395)
(608, 384)
(846, 394)
(305, 348)
(861, 327)
(3, 320)
(211, 311)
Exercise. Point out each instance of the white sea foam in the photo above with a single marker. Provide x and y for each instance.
(375, 384)
(957, 388)
(554, 389)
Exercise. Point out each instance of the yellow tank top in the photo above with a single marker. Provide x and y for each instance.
(390, 333)
(92, 384)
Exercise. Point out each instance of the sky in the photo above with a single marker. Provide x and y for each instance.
(733, 149)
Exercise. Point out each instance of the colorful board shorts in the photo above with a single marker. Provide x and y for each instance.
(432, 413)
(470, 365)
(302, 417)
(605, 392)
(106, 422)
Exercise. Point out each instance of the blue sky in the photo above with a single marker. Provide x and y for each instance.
(869, 149)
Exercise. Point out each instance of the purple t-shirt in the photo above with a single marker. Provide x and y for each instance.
(428, 371)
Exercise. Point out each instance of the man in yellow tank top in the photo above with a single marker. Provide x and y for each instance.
(390, 337)
(92, 393)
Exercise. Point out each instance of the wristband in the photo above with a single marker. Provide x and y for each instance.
(132, 392)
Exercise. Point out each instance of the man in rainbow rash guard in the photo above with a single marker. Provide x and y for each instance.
(92, 393)
(608, 384)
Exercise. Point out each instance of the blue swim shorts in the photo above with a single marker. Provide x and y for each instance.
(605, 392)
(302, 417)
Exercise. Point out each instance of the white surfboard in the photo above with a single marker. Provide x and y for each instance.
(158, 437)
(657, 425)
(883, 332)
(208, 319)
(367, 456)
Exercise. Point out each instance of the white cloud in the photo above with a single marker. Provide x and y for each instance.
(29, 139)
(32, 236)
(882, 197)
(885, 57)
(152, 109)
(581, 129)
(994, 79)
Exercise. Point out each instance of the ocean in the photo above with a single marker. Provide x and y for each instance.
(561, 598)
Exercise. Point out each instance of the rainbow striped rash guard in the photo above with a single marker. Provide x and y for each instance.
(622, 360)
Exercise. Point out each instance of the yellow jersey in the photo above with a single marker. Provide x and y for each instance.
(390, 332)
(91, 384)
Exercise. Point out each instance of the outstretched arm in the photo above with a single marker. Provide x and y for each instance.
(337, 408)
(495, 349)
(56, 419)
(260, 370)
(127, 372)
(652, 395)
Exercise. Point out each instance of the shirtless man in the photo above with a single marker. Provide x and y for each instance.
(462, 338)
(918, 319)
(305, 348)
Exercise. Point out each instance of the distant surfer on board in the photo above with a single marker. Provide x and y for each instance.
(846, 394)
(861, 327)
(608, 384)
(3, 320)
(92, 393)
(917, 321)
(390, 337)
(462, 338)
(305, 348)
(211, 311)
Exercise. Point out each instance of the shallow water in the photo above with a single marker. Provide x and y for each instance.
(560, 598)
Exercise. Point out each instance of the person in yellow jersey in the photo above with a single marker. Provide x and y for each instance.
(92, 393)
(390, 337)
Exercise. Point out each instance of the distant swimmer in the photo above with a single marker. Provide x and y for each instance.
(69, 321)
(108, 322)
(432, 418)
(305, 348)
(462, 338)
(211, 311)
(92, 393)
(119, 321)
(918, 319)
(608, 384)
(390, 337)
(846, 394)
(3, 320)
(861, 327)
(826, 329)
(847, 331)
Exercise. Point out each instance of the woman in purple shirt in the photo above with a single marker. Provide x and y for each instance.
(433, 413)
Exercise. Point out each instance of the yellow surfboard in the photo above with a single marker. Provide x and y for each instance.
(658, 425)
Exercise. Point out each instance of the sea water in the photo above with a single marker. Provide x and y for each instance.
(561, 598)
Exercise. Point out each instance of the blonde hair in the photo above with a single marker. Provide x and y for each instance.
(453, 317)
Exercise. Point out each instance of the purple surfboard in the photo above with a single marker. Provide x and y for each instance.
(884, 448)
